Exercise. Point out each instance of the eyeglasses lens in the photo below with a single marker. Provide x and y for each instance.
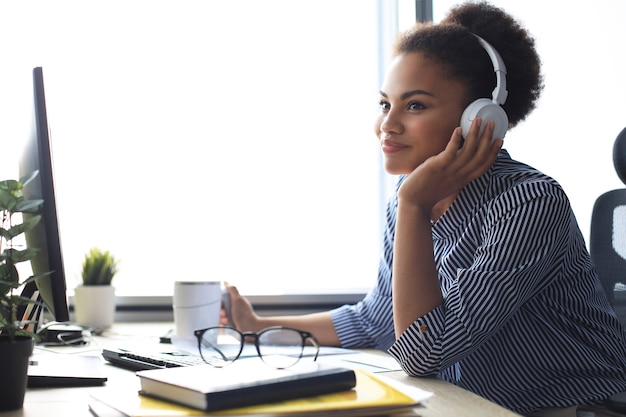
(280, 348)
(220, 346)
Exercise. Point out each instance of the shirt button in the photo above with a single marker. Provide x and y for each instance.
(423, 328)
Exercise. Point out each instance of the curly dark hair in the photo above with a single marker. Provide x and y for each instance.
(452, 45)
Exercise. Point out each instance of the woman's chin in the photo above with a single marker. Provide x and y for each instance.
(395, 169)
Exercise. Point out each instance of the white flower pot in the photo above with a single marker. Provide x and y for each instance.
(94, 306)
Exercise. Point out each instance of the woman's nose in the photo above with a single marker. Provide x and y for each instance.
(390, 123)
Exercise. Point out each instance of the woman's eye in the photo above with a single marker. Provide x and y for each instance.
(416, 105)
(383, 105)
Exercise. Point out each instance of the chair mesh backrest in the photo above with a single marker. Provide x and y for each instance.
(608, 246)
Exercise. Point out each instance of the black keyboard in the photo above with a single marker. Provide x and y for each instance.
(139, 361)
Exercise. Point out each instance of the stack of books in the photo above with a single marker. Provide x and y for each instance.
(252, 388)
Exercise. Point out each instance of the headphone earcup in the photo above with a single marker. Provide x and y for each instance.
(486, 110)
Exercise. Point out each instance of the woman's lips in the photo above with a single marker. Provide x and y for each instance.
(390, 146)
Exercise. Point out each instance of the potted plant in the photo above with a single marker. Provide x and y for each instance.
(16, 340)
(94, 300)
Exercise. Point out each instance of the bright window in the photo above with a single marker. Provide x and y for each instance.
(233, 140)
(226, 140)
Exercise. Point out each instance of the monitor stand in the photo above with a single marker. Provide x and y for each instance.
(61, 334)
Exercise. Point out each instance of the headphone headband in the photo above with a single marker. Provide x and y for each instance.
(499, 93)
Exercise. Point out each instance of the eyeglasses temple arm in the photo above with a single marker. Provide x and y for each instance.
(315, 344)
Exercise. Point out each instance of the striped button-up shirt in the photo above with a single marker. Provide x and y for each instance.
(524, 322)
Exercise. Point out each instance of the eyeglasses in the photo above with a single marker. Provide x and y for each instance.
(280, 347)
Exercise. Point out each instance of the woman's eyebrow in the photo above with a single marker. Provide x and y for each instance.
(408, 94)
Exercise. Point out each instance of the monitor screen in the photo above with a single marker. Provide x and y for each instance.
(45, 236)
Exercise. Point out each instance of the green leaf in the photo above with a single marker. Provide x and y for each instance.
(11, 186)
(19, 300)
(27, 178)
(16, 255)
(26, 225)
(99, 268)
(8, 200)
(29, 206)
(13, 201)
(9, 276)
(36, 277)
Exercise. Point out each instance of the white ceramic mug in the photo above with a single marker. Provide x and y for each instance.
(196, 306)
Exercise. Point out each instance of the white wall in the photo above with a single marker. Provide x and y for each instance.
(583, 108)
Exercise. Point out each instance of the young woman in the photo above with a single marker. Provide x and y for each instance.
(485, 279)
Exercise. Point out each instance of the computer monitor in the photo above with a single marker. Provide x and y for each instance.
(37, 155)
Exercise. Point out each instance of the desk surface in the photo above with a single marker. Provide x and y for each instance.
(448, 399)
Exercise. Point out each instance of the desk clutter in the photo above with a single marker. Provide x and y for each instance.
(376, 373)
(370, 395)
(340, 383)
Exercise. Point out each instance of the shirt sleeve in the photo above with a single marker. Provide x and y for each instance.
(366, 324)
(514, 247)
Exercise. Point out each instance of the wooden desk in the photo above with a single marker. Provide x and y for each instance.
(448, 400)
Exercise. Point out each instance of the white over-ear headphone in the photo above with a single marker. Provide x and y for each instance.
(489, 109)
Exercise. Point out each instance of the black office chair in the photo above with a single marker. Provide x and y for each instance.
(608, 234)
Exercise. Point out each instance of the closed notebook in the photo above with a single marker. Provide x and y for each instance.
(63, 370)
(373, 395)
(245, 382)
